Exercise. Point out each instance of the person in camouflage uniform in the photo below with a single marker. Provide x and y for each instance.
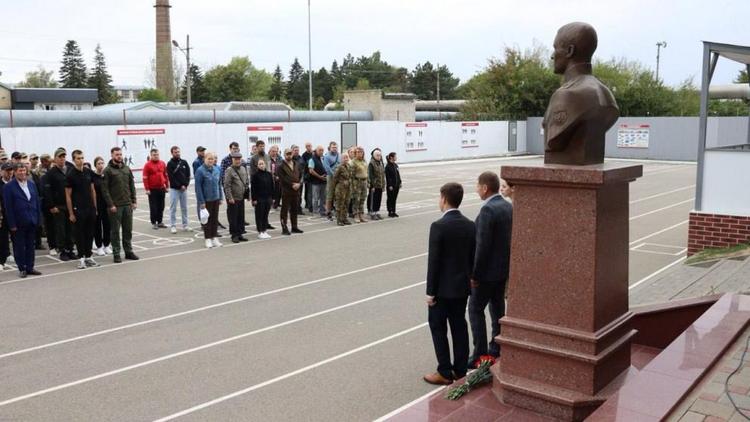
(342, 189)
(359, 185)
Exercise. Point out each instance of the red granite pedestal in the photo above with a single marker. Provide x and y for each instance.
(566, 334)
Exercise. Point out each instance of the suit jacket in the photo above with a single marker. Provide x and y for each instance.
(492, 260)
(450, 257)
(21, 211)
(287, 176)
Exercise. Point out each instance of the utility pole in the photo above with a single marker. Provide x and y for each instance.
(659, 46)
(309, 56)
(188, 82)
(438, 91)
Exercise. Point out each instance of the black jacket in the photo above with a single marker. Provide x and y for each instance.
(392, 176)
(54, 188)
(450, 257)
(261, 186)
(178, 172)
(492, 260)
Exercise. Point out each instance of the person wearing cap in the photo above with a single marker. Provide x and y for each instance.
(80, 197)
(5, 178)
(21, 202)
(15, 158)
(45, 162)
(156, 183)
(34, 175)
(3, 157)
(34, 161)
(178, 171)
(209, 193)
(376, 178)
(290, 179)
(236, 190)
(118, 190)
(54, 201)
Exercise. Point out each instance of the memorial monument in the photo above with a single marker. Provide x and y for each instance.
(567, 334)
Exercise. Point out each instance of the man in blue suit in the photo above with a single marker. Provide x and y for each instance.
(491, 265)
(22, 209)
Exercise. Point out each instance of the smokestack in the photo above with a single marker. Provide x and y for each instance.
(164, 75)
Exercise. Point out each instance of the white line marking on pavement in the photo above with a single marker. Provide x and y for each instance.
(662, 194)
(408, 405)
(205, 346)
(289, 374)
(661, 209)
(658, 233)
(655, 273)
(205, 308)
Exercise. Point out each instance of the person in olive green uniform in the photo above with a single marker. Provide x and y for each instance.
(341, 185)
(376, 176)
(359, 185)
(118, 189)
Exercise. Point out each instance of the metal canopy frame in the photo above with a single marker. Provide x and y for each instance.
(711, 53)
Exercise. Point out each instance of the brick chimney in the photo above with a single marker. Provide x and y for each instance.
(164, 75)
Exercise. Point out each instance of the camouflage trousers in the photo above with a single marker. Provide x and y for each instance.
(341, 202)
(359, 195)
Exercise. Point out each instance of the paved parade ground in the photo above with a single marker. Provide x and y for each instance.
(329, 325)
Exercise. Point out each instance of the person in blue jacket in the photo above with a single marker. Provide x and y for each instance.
(209, 193)
(22, 209)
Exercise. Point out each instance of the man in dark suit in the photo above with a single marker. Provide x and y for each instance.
(449, 264)
(23, 210)
(290, 178)
(491, 265)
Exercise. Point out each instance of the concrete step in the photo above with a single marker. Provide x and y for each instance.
(739, 281)
(709, 282)
(667, 285)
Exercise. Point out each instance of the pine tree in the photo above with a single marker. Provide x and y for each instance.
(198, 89)
(101, 80)
(297, 86)
(73, 69)
(278, 90)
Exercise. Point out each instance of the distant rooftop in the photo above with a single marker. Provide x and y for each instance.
(55, 95)
(236, 106)
(138, 105)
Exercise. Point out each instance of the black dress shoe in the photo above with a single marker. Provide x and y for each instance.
(33, 272)
(131, 256)
(235, 239)
(117, 259)
(246, 224)
(270, 227)
(64, 256)
(22, 274)
(395, 215)
(285, 232)
(296, 230)
(222, 226)
(243, 239)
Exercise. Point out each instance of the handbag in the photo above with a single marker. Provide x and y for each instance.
(246, 192)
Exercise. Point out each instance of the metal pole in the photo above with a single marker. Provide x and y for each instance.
(309, 55)
(189, 82)
(438, 91)
(702, 125)
(659, 45)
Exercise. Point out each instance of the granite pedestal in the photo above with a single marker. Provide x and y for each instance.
(567, 333)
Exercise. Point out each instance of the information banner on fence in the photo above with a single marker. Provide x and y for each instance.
(469, 134)
(633, 136)
(136, 145)
(415, 135)
(270, 134)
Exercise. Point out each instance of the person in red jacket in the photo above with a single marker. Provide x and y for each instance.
(156, 182)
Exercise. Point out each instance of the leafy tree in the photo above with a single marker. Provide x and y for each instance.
(323, 85)
(636, 89)
(423, 82)
(278, 89)
(743, 77)
(153, 94)
(101, 80)
(297, 88)
(39, 78)
(73, 69)
(238, 80)
(198, 90)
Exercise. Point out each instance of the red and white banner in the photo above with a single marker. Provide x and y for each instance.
(633, 136)
(470, 135)
(137, 144)
(270, 134)
(415, 135)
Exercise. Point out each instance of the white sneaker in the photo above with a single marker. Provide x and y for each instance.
(260, 236)
(209, 244)
(11, 259)
(173, 230)
(265, 235)
(82, 264)
(100, 251)
(53, 252)
(108, 250)
(6, 267)
(216, 242)
(187, 229)
(91, 263)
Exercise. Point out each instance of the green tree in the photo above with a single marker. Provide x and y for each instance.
(39, 78)
(296, 87)
(101, 80)
(323, 84)
(73, 69)
(238, 80)
(198, 90)
(743, 77)
(153, 94)
(636, 89)
(423, 82)
(278, 90)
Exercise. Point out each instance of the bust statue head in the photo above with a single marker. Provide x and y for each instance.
(574, 45)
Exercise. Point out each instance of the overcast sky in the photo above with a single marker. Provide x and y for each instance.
(461, 34)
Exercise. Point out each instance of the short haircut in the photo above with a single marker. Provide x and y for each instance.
(491, 180)
(114, 150)
(234, 144)
(75, 153)
(391, 156)
(153, 150)
(332, 144)
(259, 142)
(174, 148)
(453, 193)
(97, 159)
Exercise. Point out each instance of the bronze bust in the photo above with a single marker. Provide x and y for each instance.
(582, 110)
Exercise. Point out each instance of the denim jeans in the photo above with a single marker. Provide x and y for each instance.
(174, 196)
(319, 198)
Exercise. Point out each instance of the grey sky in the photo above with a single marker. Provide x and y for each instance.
(461, 34)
